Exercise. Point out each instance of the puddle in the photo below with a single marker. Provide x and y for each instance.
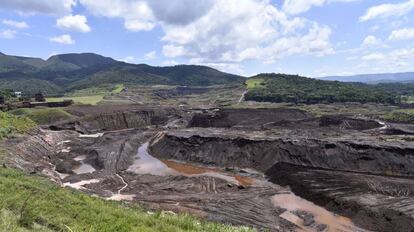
(79, 185)
(293, 203)
(65, 150)
(84, 168)
(97, 135)
(147, 164)
(121, 197)
(80, 158)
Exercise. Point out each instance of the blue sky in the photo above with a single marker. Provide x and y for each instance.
(308, 37)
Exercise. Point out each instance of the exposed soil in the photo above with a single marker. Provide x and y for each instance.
(168, 159)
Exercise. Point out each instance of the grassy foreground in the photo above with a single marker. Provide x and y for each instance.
(11, 124)
(29, 203)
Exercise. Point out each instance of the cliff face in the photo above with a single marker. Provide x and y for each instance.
(109, 121)
(346, 155)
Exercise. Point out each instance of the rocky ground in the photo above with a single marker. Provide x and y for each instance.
(235, 165)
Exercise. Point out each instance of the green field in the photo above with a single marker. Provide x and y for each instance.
(89, 96)
(118, 88)
(30, 203)
(408, 99)
(400, 116)
(43, 116)
(85, 100)
(254, 83)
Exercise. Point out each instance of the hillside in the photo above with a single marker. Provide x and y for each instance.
(375, 78)
(68, 72)
(297, 89)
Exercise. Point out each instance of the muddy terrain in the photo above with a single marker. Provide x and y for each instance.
(278, 169)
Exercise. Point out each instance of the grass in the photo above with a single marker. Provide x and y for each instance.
(408, 99)
(43, 116)
(11, 124)
(85, 100)
(30, 203)
(89, 96)
(400, 116)
(254, 83)
(118, 88)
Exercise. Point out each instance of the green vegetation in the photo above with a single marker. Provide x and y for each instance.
(29, 85)
(43, 116)
(84, 100)
(118, 88)
(254, 83)
(35, 204)
(407, 99)
(69, 72)
(400, 116)
(297, 89)
(88, 96)
(11, 124)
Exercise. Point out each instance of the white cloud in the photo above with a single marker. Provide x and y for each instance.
(8, 34)
(150, 55)
(63, 39)
(137, 15)
(55, 7)
(373, 56)
(371, 41)
(252, 29)
(294, 7)
(170, 63)
(77, 23)
(220, 31)
(300, 6)
(177, 11)
(15, 24)
(388, 10)
(174, 51)
(402, 34)
(128, 59)
(396, 60)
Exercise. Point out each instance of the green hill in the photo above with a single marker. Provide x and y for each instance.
(297, 89)
(68, 72)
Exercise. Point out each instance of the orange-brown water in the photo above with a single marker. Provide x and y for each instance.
(292, 203)
(147, 164)
(189, 169)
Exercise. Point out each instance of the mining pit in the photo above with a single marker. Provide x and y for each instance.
(275, 169)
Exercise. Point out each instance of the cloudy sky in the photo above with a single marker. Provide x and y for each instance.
(307, 37)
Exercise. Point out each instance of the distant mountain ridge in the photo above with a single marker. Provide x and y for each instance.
(65, 72)
(374, 78)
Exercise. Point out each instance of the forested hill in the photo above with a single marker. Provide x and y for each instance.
(69, 72)
(298, 89)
